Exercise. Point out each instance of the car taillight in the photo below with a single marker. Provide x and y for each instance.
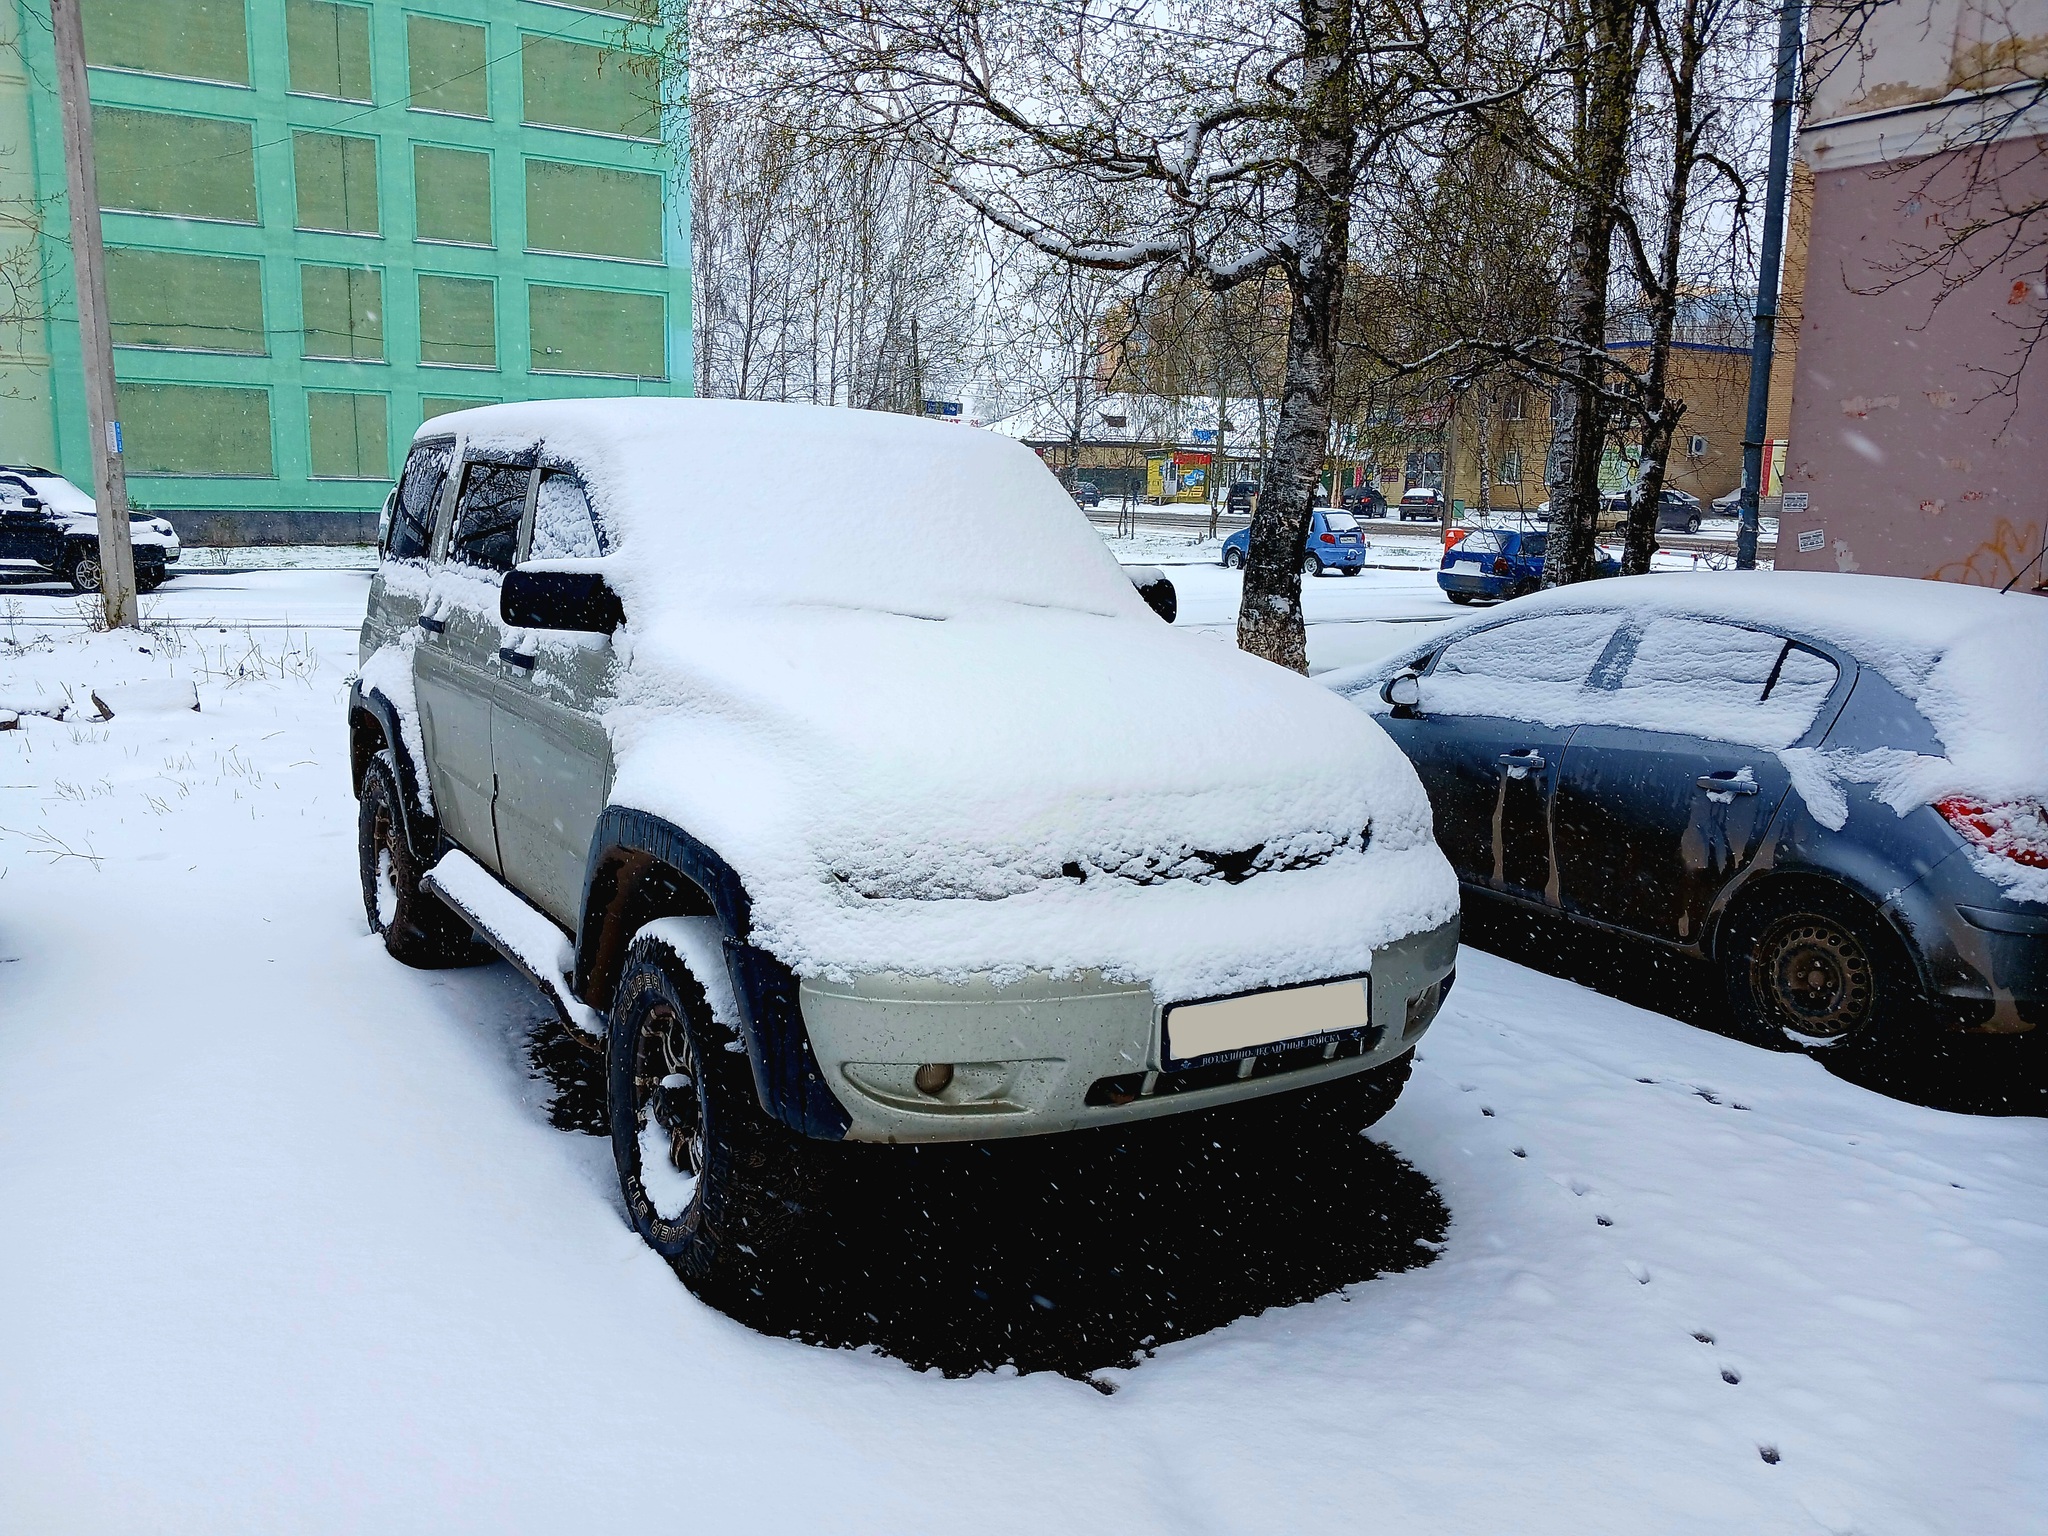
(2012, 829)
(1329, 538)
(1501, 566)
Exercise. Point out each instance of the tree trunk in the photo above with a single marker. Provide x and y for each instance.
(1610, 62)
(1269, 621)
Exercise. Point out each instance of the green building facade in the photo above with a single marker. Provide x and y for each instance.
(328, 220)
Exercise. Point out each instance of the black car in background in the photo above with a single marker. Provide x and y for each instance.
(1244, 495)
(1739, 766)
(1086, 495)
(1364, 501)
(48, 521)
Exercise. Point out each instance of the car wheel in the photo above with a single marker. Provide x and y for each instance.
(1311, 566)
(710, 1182)
(1459, 597)
(1353, 570)
(416, 928)
(1692, 525)
(1816, 969)
(148, 577)
(83, 569)
(1233, 558)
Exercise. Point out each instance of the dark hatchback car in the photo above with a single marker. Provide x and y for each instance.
(1364, 501)
(1494, 564)
(1748, 768)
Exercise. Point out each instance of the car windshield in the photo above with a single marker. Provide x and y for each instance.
(1484, 542)
(1341, 522)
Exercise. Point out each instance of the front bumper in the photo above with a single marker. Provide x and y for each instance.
(1045, 1054)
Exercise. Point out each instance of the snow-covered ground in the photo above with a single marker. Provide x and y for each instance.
(291, 1244)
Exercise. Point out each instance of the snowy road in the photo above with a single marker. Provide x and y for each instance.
(291, 1245)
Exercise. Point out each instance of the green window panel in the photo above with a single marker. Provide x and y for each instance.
(343, 312)
(336, 178)
(349, 436)
(458, 321)
(195, 429)
(445, 66)
(197, 39)
(165, 162)
(451, 194)
(176, 299)
(575, 85)
(444, 405)
(589, 330)
(328, 45)
(587, 210)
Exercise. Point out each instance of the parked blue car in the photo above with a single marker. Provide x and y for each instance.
(1500, 563)
(1334, 543)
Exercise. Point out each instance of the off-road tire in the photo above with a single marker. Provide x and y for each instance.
(416, 927)
(1817, 969)
(1232, 560)
(754, 1179)
(82, 569)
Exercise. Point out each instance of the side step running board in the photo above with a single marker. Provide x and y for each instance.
(523, 935)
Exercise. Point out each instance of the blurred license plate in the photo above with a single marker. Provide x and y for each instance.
(1195, 1030)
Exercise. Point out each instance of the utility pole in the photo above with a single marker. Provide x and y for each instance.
(1763, 338)
(95, 344)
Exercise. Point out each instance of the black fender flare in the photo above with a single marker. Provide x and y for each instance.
(422, 831)
(630, 848)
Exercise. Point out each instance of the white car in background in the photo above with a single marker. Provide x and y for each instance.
(47, 521)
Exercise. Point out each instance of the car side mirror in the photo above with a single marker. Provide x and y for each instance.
(1403, 690)
(575, 600)
(1157, 591)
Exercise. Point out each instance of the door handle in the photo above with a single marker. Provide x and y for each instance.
(1524, 760)
(432, 626)
(523, 660)
(1715, 783)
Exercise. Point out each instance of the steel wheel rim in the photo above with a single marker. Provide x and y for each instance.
(1815, 977)
(669, 1108)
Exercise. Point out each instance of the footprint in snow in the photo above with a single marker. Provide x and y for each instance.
(1639, 1272)
(1579, 1187)
(1732, 1377)
(1605, 1221)
(1484, 1110)
(1518, 1151)
(1704, 1338)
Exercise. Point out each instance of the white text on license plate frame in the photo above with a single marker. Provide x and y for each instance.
(1258, 1019)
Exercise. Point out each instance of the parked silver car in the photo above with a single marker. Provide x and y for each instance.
(863, 835)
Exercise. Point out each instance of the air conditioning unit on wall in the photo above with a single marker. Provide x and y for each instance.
(1696, 447)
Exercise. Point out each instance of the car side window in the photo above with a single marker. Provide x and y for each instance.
(419, 497)
(1700, 677)
(563, 527)
(1528, 669)
(487, 513)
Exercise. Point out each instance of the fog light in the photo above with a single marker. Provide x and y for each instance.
(933, 1077)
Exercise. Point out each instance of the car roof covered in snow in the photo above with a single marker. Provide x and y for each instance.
(768, 503)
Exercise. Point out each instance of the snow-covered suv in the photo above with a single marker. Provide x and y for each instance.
(47, 520)
(919, 826)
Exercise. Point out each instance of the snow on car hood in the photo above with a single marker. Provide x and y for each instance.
(929, 722)
(1030, 790)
